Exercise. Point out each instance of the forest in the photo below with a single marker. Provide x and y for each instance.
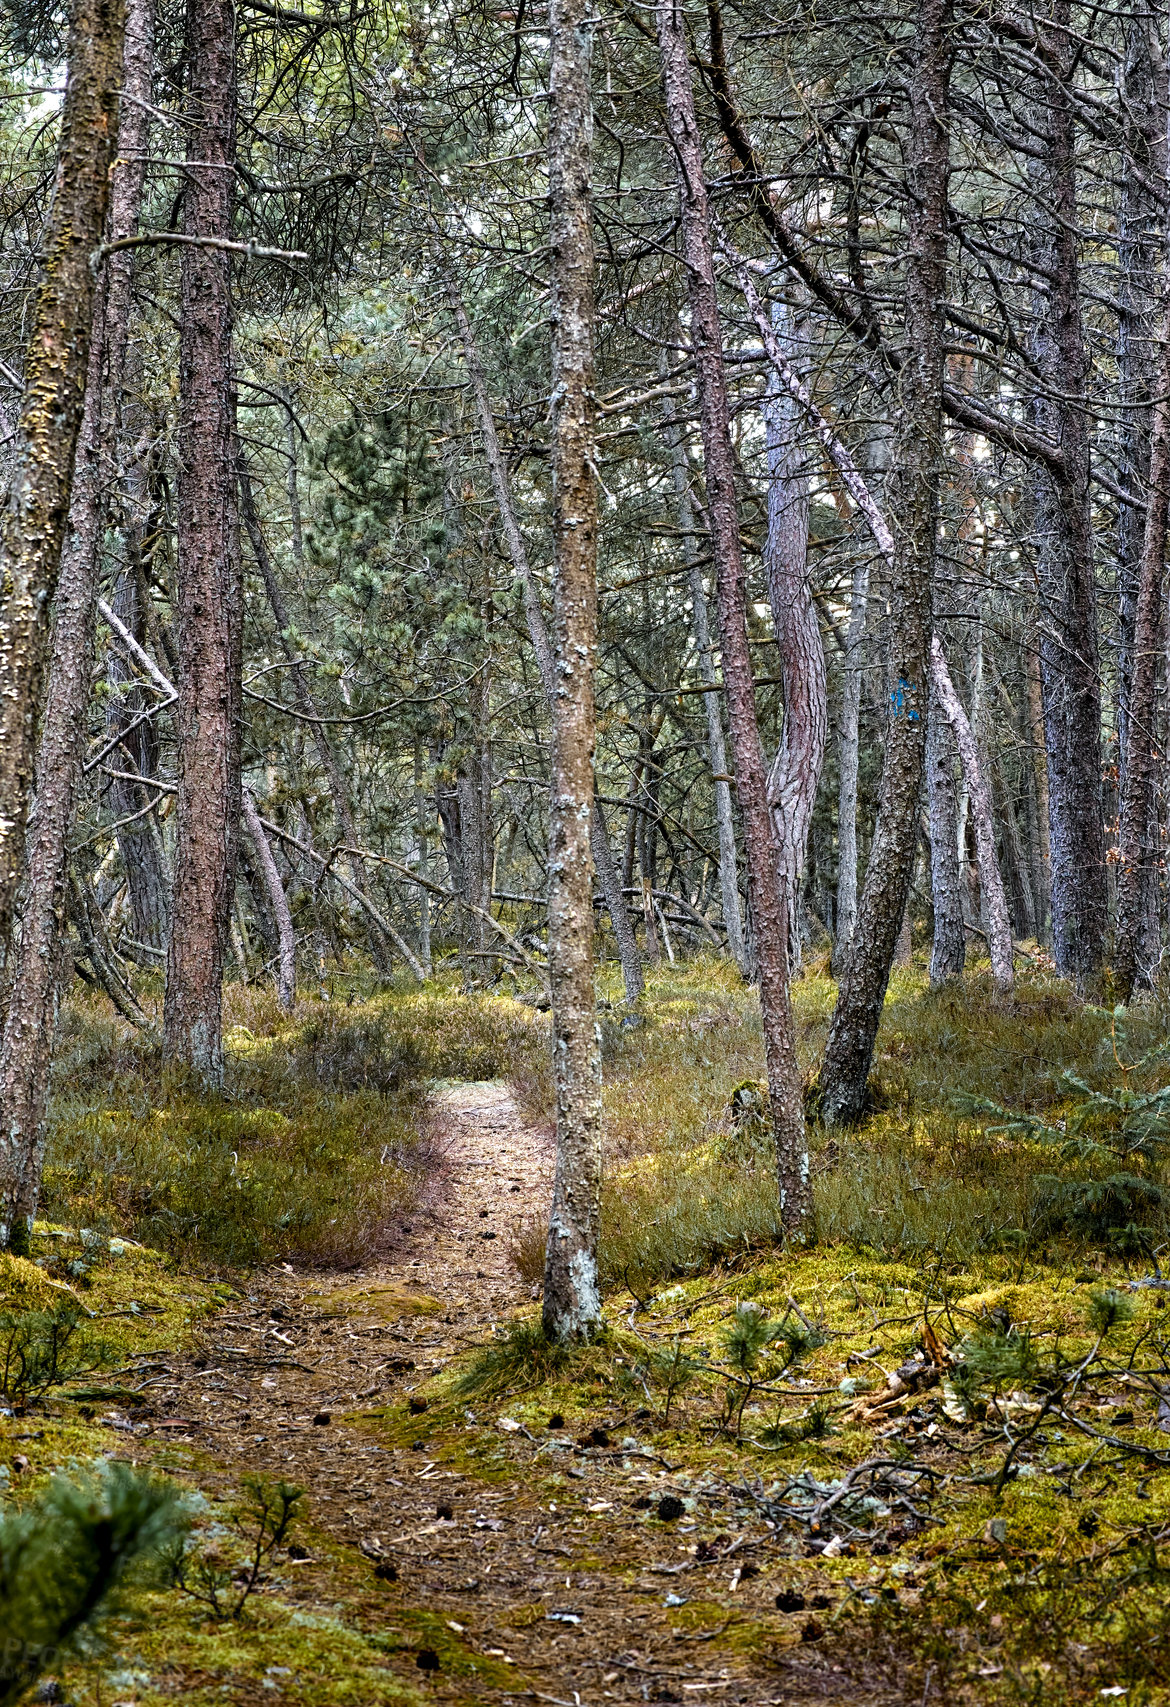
(585, 1021)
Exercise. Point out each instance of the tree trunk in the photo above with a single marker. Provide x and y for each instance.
(716, 749)
(949, 948)
(572, 1299)
(633, 977)
(1069, 668)
(1137, 793)
(999, 930)
(32, 525)
(766, 891)
(914, 506)
(306, 705)
(286, 977)
(209, 608)
(42, 958)
(796, 771)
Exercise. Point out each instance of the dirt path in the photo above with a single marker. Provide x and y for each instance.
(528, 1565)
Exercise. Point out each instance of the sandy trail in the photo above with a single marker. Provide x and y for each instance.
(551, 1578)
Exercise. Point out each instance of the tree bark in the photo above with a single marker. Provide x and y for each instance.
(572, 1299)
(796, 770)
(949, 947)
(33, 522)
(209, 604)
(766, 886)
(1069, 666)
(286, 977)
(999, 930)
(1131, 966)
(716, 748)
(914, 506)
(42, 958)
(633, 976)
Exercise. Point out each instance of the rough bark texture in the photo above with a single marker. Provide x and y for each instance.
(41, 959)
(765, 877)
(949, 946)
(1069, 669)
(33, 522)
(913, 504)
(633, 977)
(716, 747)
(796, 770)
(1131, 966)
(208, 603)
(286, 976)
(572, 1300)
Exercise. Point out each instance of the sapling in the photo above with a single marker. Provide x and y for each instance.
(64, 1558)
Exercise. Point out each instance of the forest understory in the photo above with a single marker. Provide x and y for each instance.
(923, 1459)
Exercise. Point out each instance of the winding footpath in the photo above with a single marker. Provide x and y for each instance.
(537, 1556)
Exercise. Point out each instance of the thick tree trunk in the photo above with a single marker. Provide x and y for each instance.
(766, 892)
(33, 521)
(42, 957)
(1069, 669)
(633, 977)
(209, 606)
(914, 506)
(716, 748)
(849, 764)
(572, 1299)
(286, 977)
(796, 771)
(949, 947)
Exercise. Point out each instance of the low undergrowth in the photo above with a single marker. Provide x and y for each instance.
(314, 1151)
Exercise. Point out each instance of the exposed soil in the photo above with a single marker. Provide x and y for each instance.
(541, 1559)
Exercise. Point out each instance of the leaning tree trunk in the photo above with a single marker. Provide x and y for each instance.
(765, 875)
(1069, 666)
(32, 524)
(42, 957)
(796, 770)
(995, 908)
(286, 974)
(209, 615)
(633, 976)
(572, 1299)
(913, 506)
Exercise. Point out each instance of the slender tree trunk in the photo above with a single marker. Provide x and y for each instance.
(33, 520)
(796, 771)
(306, 705)
(286, 977)
(999, 930)
(766, 890)
(42, 957)
(209, 607)
(608, 875)
(1069, 668)
(1137, 794)
(949, 948)
(914, 506)
(1139, 287)
(716, 748)
(572, 1299)
(848, 764)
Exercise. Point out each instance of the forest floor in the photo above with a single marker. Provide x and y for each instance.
(924, 1461)
(525, 1563)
